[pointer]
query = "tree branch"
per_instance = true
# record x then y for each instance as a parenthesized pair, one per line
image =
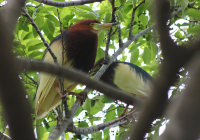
(67, 3)
(132, 19)
(4, 137)
(103, 126)
(174, 58)
(59, 129)
(40, 34)
(184, 114)
(76, 76)
(12, 95)
(110, 31)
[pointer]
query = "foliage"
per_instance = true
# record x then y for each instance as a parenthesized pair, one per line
(144, 52)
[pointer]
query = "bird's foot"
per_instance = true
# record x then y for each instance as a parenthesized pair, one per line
(82, 95)
(63, 94)
(124, 125)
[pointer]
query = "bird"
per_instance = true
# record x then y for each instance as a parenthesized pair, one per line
(80, 43)
(127, 77)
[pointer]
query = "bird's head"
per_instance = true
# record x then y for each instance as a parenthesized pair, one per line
(92, 25)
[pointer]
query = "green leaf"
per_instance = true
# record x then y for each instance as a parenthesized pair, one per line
(143, 19)
(36, 47)
(128, 8)
(84, 7)
(45, 136)
(39, 129)
(71, 101)
(99, 105)
(78, 111)
(178, 35)
(28, 36)
(135, 29)
(68, 17)
(121, 18)
(53, 19)
(87, 105)
(39, 21)
(193, 13)
(100, 53)
(108, 17)
(33, 42)
(134, 46)
(97, 135)
(184, 4)
(35, 54)
(134, 55)
(146, 55)
(195, 29)
(110, 116)
(154, 48)
(87, 15)
(50, 26)
(24, 26)
(35, 34)
(107, 100)
(83, 124)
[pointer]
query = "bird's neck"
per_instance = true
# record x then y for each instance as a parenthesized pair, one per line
(82, 46)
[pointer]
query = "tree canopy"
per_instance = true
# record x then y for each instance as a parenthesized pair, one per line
(161, 37)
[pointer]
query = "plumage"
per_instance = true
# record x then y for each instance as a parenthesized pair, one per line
(80, 47)
(129, 78)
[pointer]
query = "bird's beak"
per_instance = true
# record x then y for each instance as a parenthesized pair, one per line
(107, 25)
(100, 27)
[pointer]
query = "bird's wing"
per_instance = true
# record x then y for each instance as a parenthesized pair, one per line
(128, 80)
(47, 97)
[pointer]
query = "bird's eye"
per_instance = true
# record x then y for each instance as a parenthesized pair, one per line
(91, 24)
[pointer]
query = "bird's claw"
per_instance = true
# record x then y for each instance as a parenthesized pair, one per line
(64, 97)
(124, 125)
(82, 95)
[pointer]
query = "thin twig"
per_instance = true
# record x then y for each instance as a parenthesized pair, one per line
(119, 35)
(132, 19)
(40, 34)
(30, 78)
(25, 21)
(36, 10)
(110, 31)
(45, 122)
(67, 3)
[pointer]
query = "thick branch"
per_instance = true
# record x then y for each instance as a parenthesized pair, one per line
(174, 58)
(67, 3)
(12, 95)
(185, 117)
(76, 76)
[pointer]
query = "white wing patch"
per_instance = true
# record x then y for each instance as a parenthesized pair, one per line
(47, 97)
(134, 84)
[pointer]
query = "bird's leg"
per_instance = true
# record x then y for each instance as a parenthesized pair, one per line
(63, 96)
(122, 114)
(124, 111)
(82, 95)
